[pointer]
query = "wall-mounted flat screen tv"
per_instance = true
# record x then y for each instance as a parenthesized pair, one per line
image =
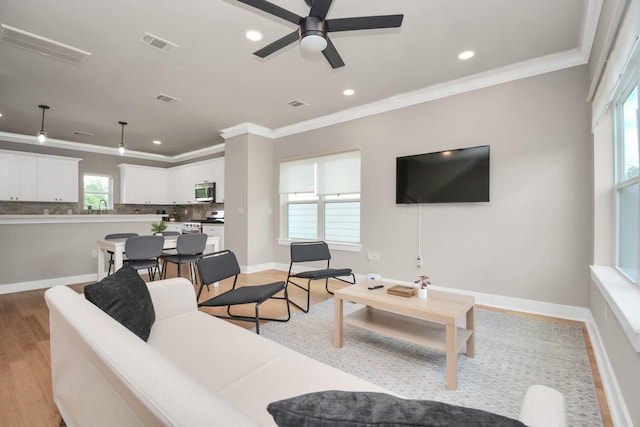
(453, 176)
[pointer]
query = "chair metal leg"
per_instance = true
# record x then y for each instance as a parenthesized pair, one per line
(307, 290)
(257, 317)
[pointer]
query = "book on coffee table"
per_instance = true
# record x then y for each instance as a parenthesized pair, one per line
(403, 291)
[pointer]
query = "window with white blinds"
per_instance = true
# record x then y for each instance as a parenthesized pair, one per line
(321, 197)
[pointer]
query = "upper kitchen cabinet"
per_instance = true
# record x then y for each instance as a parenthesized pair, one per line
(143, 185)
(57, 179)
(218, 166)
(183, 179)
(18, 176)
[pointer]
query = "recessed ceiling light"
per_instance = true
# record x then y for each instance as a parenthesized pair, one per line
(254, 36)
(0, 114)
(466, 54)
(348, 92)
(155, 141)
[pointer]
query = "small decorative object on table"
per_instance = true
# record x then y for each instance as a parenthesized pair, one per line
(403, 291)
(424, 282)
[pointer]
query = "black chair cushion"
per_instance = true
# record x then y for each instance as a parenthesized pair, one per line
(368, 409)
(326, 273)
(245, 295)
(125, 297)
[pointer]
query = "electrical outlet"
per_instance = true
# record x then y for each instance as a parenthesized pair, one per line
(94, 253)
(419, 261)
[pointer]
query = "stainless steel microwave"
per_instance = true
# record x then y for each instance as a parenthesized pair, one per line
(206, 192)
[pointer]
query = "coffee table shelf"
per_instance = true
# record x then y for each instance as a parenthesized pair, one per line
(431, 322)
(417, 331)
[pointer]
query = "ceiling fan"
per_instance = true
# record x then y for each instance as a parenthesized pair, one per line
(312, 30)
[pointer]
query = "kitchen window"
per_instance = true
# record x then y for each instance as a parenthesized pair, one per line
(97, 188)
(321, 198)
(627, 183)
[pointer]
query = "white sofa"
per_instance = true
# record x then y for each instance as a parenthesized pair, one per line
(194, 370)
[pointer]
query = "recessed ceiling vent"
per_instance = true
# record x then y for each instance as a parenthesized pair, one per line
(31, 42)
(82, 133)
(158, 43)
(297, 103)
(168, 99)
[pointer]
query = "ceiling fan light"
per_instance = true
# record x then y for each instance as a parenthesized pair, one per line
(313, 43)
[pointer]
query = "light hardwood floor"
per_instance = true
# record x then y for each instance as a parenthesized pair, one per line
(25, 377)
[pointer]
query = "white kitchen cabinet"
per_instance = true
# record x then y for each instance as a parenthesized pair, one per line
(182, 180)
(215, 230)
(143, 185)
(174, 226)
(181, 188)
(18, 177)
(218, 167)
(57, 179)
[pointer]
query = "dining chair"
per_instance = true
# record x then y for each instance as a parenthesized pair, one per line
(188, 249)
(115, 236)
(143, 252)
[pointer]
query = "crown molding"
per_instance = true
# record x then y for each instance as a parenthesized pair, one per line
(248, 128)
(534, 67)
(90, 148)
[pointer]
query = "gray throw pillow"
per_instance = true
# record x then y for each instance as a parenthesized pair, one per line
(367, 409)
(125, 297)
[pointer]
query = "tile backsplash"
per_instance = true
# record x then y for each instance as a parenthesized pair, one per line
(182, 212)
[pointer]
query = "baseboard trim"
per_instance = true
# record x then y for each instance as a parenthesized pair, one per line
(619, 412)
(10, 288)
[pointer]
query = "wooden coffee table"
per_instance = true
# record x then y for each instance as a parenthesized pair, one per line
(430, 322)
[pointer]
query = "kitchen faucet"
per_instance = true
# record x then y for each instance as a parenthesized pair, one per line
(100, 204)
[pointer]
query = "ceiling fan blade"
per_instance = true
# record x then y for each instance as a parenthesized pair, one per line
(273, 10)
(332, 55)
(278, 44)
(364, 23)
(320, 8)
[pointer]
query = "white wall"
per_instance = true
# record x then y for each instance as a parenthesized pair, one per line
(531, 241)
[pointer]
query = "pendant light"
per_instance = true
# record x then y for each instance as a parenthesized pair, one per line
(42, 135)
(121, 147)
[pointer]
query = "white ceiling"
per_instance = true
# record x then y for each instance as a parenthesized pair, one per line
(222, 84)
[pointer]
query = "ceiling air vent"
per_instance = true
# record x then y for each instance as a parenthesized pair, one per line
(297, 103)
(82, 133)
(168, 99)
(31, 42)
(157, 42)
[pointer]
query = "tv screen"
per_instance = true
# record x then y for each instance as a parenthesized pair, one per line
(452, 176)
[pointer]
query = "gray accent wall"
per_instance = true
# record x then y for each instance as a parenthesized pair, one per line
(531, 241)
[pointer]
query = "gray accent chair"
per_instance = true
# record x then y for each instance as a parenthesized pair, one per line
(309, 252)
(222, 265)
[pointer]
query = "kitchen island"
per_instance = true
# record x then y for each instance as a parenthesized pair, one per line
(41, 251)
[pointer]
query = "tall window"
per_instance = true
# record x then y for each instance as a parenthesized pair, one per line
(97, 188)
(321, 197)
(627, 183)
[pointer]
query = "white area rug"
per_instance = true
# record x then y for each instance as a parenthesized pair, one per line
(512, 352)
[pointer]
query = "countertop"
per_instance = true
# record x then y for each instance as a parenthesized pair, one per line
(76, 219)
